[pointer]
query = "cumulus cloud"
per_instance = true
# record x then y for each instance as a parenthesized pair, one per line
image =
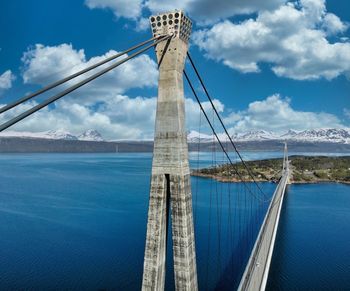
(100, 105)
(202, 11)
(6, 80)
(276, 114)
(333, 25)
(208, 11)
(293, 38)
(128, 9)
(121, 117)
(121, 8)
(45, 64)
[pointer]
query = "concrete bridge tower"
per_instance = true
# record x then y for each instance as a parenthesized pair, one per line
(170, 182)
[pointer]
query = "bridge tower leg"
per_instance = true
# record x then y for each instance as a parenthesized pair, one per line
(170, 181)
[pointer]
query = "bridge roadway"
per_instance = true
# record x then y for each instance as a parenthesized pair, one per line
(257, 270)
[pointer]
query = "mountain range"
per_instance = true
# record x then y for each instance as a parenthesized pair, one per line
(333, 135)
(329, 135)
(88, 135)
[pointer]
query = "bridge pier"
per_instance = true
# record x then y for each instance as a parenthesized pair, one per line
(170, 180)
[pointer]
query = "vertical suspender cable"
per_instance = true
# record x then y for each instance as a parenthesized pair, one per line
(223, 125)
(219, 141)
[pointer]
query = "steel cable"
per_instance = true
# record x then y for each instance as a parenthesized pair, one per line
(76, 86)
(66, 79)
(223, 125)
(219, 141)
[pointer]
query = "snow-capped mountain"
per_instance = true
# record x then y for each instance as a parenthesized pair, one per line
(91, 135)
(195, 136)
(333, 135)
(256, 135)
(289, 134)
(324, 134)
(59, 134)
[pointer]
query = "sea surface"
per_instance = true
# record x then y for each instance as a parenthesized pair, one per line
(78, 222)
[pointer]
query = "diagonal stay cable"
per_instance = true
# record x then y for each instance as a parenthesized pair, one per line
(76, 86)
(219, 141)
(60, 82)
(223, 125)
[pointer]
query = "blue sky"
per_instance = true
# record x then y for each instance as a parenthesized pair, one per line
(270, 64)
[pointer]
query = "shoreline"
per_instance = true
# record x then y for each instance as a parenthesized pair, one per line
(303, 170)
(234, 180)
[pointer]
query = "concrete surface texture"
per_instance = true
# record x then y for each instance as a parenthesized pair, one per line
(170, 181)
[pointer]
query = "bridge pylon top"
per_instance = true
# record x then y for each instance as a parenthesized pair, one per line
(174, 23)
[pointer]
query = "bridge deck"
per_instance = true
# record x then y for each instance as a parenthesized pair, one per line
(257, 270)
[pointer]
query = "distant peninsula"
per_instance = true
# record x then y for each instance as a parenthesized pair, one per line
(304, 169)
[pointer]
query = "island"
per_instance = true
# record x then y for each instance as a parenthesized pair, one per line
(304, 169)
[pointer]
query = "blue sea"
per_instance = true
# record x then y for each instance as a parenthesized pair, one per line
(78, 222)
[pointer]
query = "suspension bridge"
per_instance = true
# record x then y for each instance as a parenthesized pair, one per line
(171, 203)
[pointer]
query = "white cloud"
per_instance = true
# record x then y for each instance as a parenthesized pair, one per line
(193, 113)
(314, 10)
(45, 64)
(121, 8)
(333, 25)
(203, 11)
(142, 24)
(6, 80)
(276, 114)
(128, 9)
(121, 117)
(100, 105)
(347, 112)
(207, 11)
(293, 38)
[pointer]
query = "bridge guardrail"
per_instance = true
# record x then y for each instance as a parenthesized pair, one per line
(263, 246)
